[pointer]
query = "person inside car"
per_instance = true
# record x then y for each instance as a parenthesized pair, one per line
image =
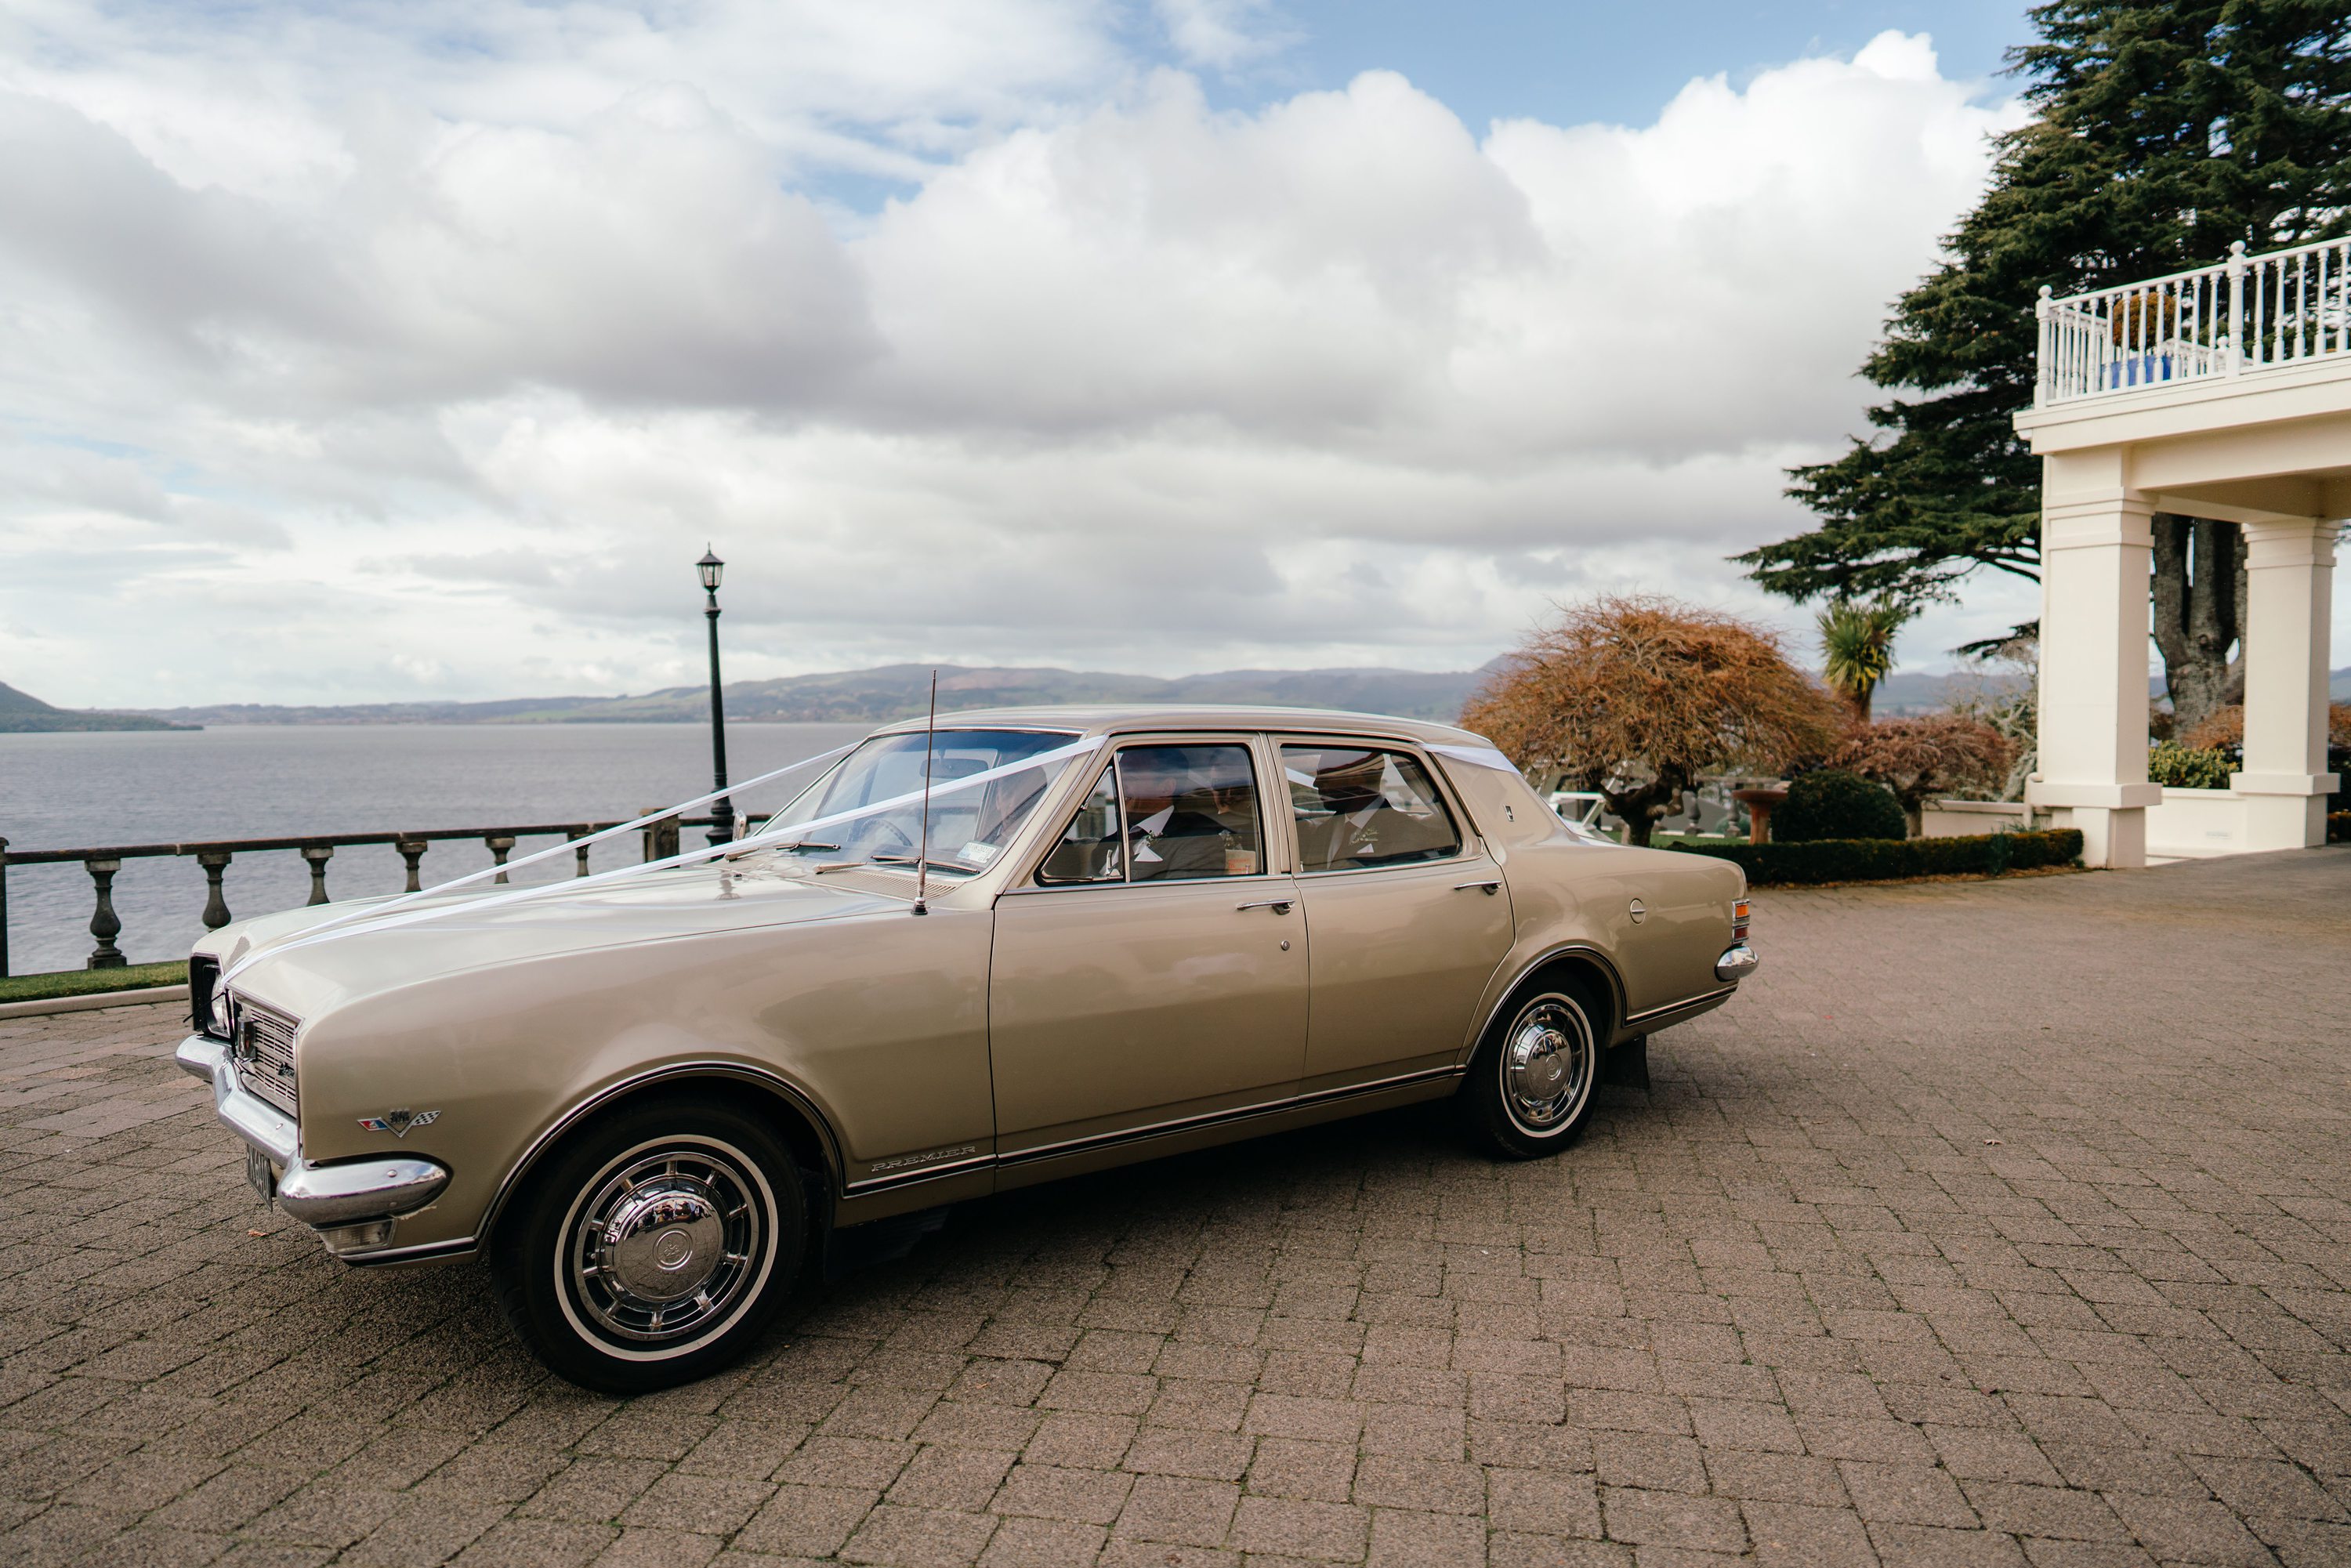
(1171, 830)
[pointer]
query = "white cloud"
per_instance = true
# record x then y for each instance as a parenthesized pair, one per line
(1221, 34)
(466, 353)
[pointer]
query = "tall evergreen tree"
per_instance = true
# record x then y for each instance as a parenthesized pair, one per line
(2164, 129)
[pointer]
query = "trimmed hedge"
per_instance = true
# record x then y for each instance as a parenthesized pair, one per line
(1830, 803)
(2184, 768)
(1880, 860)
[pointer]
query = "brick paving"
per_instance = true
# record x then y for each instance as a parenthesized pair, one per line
(1995, 1223)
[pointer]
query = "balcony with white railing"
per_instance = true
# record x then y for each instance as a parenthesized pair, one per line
(2222, 394)
(2248, 316)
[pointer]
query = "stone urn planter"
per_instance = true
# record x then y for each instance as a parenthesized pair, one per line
(1759, 804)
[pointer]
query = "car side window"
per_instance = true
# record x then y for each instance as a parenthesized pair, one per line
(1191, 811)
(1164, 813)
(1091, 848)
(1361, 807)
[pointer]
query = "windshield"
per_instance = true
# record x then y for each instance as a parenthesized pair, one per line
(969, 828)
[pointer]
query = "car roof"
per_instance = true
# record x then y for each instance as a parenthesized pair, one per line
(1116, 718)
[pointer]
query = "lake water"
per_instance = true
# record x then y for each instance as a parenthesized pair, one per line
(69, 792)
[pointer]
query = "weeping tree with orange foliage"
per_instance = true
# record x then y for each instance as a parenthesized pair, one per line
(1933, 755)
(2227, 727)
(1636, 697)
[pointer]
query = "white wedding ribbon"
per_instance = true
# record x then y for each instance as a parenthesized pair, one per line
(571, 846)
(382, 918)
(1476, 756)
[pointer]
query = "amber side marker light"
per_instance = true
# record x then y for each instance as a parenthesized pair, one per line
(1739, 920)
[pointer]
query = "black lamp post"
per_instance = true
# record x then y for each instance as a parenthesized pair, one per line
(722, 814)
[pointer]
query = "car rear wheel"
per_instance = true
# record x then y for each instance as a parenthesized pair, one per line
(1529, 1089)
(655, 1246)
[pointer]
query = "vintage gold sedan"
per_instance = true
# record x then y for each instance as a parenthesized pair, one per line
(650, 1099)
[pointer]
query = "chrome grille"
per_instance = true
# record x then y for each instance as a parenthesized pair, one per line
(263, 1049)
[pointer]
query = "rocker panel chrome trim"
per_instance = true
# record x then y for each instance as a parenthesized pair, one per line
(424, 1252)
(1687, 1003)
(1212, 1118)
(1019, 1157)
(919, 1173)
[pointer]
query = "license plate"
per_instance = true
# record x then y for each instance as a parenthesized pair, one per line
(260, 1177)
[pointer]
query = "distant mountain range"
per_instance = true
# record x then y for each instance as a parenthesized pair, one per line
(899, 691)
(21, 713)
(1907, 693)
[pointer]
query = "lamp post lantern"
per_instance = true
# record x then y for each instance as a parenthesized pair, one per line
(722, 813)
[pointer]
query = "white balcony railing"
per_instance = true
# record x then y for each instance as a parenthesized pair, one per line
(2248, 314)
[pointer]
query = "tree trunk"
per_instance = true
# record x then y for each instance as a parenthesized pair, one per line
(1641, 809)
(2199, 590)
(1856, 700)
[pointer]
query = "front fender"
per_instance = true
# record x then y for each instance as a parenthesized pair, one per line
(876, 1024)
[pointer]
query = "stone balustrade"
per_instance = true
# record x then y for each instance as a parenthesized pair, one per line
(214, 858)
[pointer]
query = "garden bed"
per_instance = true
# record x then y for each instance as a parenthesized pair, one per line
(1889, 860)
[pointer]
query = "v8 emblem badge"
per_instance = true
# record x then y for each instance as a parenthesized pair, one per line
(397, 1123)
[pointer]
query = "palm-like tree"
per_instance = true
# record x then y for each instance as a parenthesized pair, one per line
(1857, 648)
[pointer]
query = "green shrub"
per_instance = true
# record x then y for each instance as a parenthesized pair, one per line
(1880, 860)
(1830, 803)
(2183, 768)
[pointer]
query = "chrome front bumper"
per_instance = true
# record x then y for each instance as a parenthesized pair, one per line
(330, 1197)
(1738, 961)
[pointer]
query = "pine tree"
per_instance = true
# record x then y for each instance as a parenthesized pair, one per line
(2162, 133)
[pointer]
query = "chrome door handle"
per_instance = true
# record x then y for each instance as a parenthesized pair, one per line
(1492, 886)
(1278, 905)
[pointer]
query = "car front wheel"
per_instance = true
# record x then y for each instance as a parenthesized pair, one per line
(1529, 1089)
(655, 1246)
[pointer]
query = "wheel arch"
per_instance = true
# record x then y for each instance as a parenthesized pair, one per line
(1577, 960)
(796, 1118)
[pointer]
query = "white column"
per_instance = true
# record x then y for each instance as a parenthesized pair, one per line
(2095, 544)
(2289, 600)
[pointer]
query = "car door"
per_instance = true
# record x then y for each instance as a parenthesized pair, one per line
(1153, 967)
(1409, 915)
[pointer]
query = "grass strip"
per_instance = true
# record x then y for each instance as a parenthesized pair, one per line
(86, 982)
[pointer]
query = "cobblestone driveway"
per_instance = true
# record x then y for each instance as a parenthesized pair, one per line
(1995, 1223)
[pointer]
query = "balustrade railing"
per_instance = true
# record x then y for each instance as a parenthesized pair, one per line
(2239, 317)
(213, 857)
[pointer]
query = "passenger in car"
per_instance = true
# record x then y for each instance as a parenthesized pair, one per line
(1363, 809)
(1351, 793)
(1170, 830)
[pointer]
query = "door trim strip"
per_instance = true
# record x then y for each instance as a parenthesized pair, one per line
(1155, 1130)
(1187, 1124)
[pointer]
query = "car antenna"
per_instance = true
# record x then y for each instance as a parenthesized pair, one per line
(922, 852)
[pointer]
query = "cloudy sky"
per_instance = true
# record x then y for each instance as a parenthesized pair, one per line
(415, 347)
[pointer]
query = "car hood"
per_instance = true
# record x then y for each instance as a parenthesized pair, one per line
(472, 930)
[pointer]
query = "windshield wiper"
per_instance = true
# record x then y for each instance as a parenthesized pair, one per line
(935, 865)
(786, 844)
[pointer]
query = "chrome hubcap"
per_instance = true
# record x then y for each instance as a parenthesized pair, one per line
(666, 1244)
(1546, 1065)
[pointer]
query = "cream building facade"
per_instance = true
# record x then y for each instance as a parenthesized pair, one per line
(2222, 394)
